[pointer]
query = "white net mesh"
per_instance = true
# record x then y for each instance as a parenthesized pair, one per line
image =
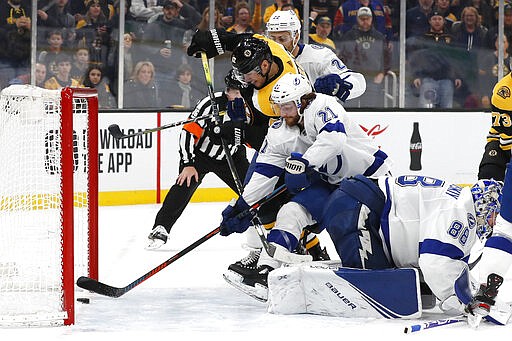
(31, 286)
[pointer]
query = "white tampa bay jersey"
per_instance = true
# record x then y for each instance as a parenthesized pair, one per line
(428, 224)
(333, 144)
(319, 61)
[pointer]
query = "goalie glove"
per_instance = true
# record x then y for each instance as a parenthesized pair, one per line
(299, 174)
(480, 305)
(334, 85)
(207, 41)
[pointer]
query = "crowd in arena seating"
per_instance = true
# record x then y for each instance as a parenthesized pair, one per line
(451, 46)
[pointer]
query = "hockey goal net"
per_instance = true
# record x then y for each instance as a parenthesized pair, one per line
(48, 201)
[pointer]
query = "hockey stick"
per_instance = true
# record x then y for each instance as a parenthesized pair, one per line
(270, 249)
(118, 134)
(432, 324)
(108, 290)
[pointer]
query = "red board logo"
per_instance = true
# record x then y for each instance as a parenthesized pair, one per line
(374, 131)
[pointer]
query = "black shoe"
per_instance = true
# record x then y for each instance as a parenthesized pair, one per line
(318, 253)
(246, 264)
(252, 282)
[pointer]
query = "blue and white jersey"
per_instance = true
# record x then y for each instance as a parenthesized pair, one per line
(429, 224)
(331, 142)
(319, 61)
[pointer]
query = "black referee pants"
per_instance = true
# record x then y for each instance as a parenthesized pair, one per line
(178, 197)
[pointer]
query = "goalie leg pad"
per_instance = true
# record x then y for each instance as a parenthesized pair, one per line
(353, 227)
(345, 292)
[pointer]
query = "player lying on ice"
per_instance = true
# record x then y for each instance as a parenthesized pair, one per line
(395, 225)
(314, 132)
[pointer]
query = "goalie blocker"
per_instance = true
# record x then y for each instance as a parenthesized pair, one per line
(345, 292)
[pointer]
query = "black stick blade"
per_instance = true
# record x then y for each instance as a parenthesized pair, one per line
(98, 287)
(115, 131)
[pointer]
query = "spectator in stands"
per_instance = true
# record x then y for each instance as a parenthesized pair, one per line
(432, 69)
(94, 78)
(18, 46)
(243, 22)
(324, 8)
(163, 41)
(184, 93)
(142, 10)
(365, 49)
(443, 6)
(57, 15)
(40, 74)
(94, 31)
(416, 20)
(62, 78)
(204, 24)
(507, 27)
(11, 10)
(485, 11)
(55, 42)
(227, 10)
(488, 70)
(346, 16)
(141, 91)
(323, 30)
(80, 62)
(470, 37)
(269, 10)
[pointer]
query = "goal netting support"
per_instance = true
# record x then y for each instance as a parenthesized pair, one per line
(48, 201)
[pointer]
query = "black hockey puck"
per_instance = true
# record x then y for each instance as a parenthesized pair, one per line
(83, 300)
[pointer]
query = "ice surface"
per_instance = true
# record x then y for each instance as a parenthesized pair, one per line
(190, 297)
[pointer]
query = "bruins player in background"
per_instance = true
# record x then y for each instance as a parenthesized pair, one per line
(259, 62)
(499, 139)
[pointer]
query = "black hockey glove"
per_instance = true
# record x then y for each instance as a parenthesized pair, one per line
(207, 41)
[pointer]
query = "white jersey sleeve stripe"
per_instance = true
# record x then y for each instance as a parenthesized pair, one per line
(437, 247)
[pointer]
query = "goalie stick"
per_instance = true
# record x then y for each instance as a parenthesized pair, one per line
(432, 324)
(270, 249)
(118, 134)
(108, 290)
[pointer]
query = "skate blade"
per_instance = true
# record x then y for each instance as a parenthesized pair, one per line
(258, 292)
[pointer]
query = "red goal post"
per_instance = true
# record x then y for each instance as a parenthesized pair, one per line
(48, 201)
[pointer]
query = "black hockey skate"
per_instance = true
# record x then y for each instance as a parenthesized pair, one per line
(251, 282)
(318, 253)
(246, 264)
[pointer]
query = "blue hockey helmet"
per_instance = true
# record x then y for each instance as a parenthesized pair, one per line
(487, 200)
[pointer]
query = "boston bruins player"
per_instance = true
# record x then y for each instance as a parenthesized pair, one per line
(499, 139)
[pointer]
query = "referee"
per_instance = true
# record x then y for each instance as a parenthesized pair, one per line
(201, 152)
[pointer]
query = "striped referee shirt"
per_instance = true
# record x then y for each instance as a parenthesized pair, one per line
(195, 137)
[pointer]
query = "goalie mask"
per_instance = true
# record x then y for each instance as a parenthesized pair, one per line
(289, 88)
(285, 21)
(248, 55)
(487, 199)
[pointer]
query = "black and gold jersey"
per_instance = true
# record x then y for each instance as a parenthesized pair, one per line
(258, 100)
(501, 105)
